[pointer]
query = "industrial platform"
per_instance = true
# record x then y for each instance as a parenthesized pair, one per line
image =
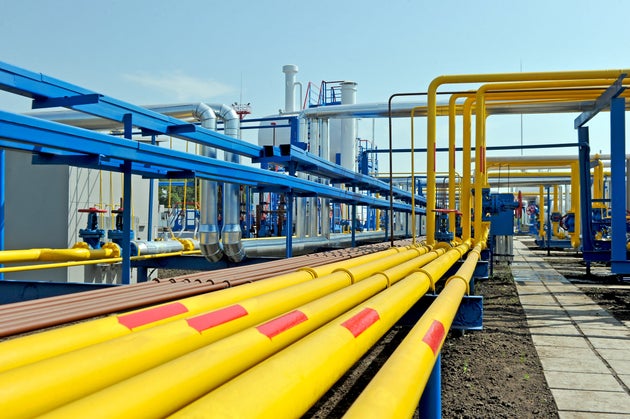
(584, 351)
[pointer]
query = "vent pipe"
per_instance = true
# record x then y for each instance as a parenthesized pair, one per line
(208, 227)
(290, 72)
(231, 232)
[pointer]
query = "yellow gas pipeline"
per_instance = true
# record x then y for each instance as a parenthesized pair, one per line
(35, 347)
(299, 375)
(109, 250)
(170, 386)
(28, 392)
(484, 78)
(396, 389)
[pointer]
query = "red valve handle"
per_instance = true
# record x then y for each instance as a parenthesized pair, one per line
(92, 209)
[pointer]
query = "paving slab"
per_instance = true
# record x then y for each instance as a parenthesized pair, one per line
(581, 381)
(584, 351)
(591, 401)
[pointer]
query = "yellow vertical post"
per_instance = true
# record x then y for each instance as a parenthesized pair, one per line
(452, 113)
(575, 204)
(466, 180)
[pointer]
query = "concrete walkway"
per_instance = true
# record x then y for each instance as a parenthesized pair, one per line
(584, 351)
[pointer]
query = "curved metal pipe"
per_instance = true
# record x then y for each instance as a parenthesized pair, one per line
(231, 233)
(208, 227)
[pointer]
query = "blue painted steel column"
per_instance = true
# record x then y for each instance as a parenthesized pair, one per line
(289, 228)
(585, 189)
(126, 242)
(353, 227)
(2, 196)
(431, 400)
(150, 217)
(618, 184)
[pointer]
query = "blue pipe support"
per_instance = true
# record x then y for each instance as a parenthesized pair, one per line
(2, 197)
(126, 244)
(431, 401)
(107, 149)
(48, 91)
(619, 260)
(585, 189)
(289, 227)
(151, 191)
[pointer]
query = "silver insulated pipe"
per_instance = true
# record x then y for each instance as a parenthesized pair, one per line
(208, 227)
(231, 232)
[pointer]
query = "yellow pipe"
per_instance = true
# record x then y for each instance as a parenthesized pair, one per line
(296, 377)
(28, 392)
(50, 255)
(598, 184)
(396, 389)
(170, 386)
(484, 78)
(466, 175)
(480, 169)
(94, 261)
(575, 204)
(39, 346)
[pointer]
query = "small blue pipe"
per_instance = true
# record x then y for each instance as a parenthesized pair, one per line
(431, 401)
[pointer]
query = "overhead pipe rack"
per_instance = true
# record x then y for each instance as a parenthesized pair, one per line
(55, 143)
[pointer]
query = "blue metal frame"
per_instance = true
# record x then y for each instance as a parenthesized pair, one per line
(285, 155)
(2, 197)
(47, 91)
(111, 153)
(619, 262)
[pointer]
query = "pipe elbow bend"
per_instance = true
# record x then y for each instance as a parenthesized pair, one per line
(209, 242)
(232, 245)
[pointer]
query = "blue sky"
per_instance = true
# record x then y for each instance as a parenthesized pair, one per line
(158, 51)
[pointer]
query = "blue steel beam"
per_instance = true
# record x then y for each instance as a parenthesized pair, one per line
(43, 88)
(309, 163)
(47, 92)
(52, 135)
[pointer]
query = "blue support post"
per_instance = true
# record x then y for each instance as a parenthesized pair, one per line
(126, 242)
(431, 401)
(619, 261)
(289, 227)
(150, 215)
(585, 189)
(354, 227)
(2, 196)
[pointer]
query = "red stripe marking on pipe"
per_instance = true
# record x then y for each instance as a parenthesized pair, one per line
(150, 315)
(285, 322)
(434, 336)
(358, 323)
(216, 318)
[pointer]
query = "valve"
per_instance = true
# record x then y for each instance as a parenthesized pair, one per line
(442, 234)
(117, 235)
(92, 235)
